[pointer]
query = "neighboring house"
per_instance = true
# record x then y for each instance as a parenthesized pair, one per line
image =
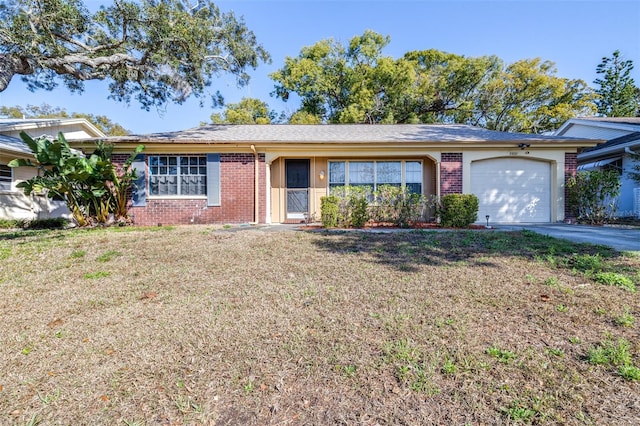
(622, 135)
(13, 203)
(278, 173)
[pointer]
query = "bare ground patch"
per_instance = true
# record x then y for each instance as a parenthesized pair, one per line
(195, 325)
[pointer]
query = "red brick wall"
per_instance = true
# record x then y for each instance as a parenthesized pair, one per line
(451, 173)
(237, 184)
(570, 169)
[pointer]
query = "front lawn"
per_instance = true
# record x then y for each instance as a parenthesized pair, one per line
(202, 325)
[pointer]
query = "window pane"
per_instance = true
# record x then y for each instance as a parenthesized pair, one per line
(153, 185)
(388, 172)
(5, 178)
(414, 188)
(175, 175)
(5, 172)
(361, 172)
(336, 172)
(413, 172)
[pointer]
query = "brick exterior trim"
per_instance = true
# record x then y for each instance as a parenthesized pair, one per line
(451, 173)
(570, 169)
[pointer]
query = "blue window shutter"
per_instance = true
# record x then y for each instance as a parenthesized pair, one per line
(213, 180)
(139, 189)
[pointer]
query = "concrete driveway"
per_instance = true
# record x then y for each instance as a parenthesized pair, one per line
(623, 239)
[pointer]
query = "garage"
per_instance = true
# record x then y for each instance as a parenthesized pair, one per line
(512, 190)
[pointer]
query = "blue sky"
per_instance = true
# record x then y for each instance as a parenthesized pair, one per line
(575, 35)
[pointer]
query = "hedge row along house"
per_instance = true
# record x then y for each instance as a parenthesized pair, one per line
(278, 173)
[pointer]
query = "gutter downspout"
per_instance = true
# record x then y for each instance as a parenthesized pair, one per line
(256, 189)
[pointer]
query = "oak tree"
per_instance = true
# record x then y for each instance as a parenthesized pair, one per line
(152, 51)
(356, 83)
(247, 111)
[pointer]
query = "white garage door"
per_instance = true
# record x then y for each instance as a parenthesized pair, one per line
(512, 190)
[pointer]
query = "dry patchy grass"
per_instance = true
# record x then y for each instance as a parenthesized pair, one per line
(195, 325)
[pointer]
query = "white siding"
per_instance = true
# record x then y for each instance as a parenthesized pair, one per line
(594, 132)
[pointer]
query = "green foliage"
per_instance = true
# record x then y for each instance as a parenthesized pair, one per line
(78, 254)
(615, 279)
(626, 319)
(358, 207)
(630, 372)
(458, 210)
(617, 94)
(610, 353)
(587, 262)
(108, 256)
(154, 51)
(393, 204)
(303, 117)
(11, 223)
(592, 195)
(355, 83)
(329, 211)
(247, 111)
(96, 275)
(518, 412)
(502, 355)
(615, 354)
(526, 96)
(354, 206)
(91, 186)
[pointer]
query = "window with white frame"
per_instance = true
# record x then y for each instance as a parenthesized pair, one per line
(5, 177)
(373, 174)
(173, 175)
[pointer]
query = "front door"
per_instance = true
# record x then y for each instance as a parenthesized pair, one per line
(297, 176)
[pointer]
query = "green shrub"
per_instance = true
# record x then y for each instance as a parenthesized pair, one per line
(592, 195)
(358, 207)
(353, 205)
(329, 211)
(395, 205)
(51, 223)
(458, 210)
(616, 280)
(10, 223)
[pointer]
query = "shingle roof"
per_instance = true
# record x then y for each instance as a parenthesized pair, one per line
(635, 121)
(8, 143)
(635, 136)
(339, 133)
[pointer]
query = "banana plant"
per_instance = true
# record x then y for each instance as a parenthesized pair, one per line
(90, 186)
